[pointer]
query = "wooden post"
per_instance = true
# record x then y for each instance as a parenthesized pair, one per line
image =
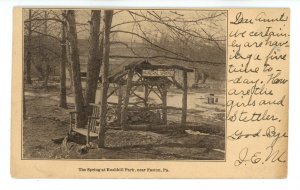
(196, 76)
(184, 100)
(164, 105)
(126, 100)
(146, 94)
(71, 124)
(119, 106)
(88, 133)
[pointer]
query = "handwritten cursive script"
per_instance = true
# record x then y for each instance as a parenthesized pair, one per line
(257, 86)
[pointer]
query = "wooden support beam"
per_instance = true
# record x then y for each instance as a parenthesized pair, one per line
(119, 106)
(184, 100)
(164, 105)
(126, 100)
(151, 108)
(152, 90)
(138, 96)
(146, 95)
(160, 92)
(113, 103)
(112, 92)
(130, 103)
(135, 86)
(118, 77)
(177, 84)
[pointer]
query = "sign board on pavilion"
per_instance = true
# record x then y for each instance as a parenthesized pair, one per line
(159, 73)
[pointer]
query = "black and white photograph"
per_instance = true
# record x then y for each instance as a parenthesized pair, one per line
(124, 84)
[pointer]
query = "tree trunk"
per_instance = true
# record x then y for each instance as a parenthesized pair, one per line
(164, 95)
(184, 101)
(28, 58)
(47, 73)
(126, 100)
(119, 106)
(95, 58)
(75, 65)
(69, 67)
(63, 90)
(46, 55)
(146, 95)
(108, 14)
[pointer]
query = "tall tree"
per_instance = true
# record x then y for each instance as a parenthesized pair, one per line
(75, 64)
(63, 90)
(46, 58)
(108, 14)
(69, 61)
(95, 57)
(28, 57)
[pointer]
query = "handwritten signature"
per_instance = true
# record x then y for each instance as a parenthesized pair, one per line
(270, 154)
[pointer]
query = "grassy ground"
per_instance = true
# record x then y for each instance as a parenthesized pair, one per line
(45, 121)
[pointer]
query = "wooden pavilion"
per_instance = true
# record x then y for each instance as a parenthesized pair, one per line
(153, 78)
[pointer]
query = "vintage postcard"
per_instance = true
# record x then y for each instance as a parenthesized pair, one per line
(150, 93)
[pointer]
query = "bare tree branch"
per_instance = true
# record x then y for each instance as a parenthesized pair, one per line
(147, 40)
(181, 31)
(43, 19)
(51, 36)
(126, 45)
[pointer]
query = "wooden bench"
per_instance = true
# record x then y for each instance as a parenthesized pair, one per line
(91, 130)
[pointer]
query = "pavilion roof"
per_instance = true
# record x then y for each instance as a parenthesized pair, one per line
(139, 65)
